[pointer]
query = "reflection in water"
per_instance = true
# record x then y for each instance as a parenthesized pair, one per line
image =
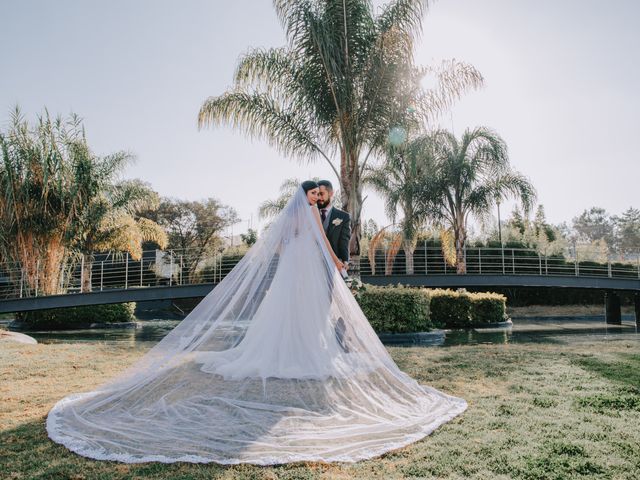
(546, 330)
(147, 331)
(524, 330)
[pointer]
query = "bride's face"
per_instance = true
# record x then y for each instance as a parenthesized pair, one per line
(312, 196)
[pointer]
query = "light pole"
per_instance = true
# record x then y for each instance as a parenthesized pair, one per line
(500, 235)
(499, 224)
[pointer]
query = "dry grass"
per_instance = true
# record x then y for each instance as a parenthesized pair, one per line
(544, 411)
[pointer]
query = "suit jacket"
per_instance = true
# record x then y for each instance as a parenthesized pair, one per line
(338, 230)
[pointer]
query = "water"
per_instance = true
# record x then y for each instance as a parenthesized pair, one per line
(523, 330)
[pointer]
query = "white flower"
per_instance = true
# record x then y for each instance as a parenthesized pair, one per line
(337, 221)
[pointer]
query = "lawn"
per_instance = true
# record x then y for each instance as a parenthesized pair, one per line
(536, 411)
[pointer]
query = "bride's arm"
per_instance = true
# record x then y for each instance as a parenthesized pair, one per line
(336, 260)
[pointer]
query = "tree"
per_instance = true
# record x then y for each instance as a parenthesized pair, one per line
(541, 227)
(345, 79)
(593, 225)
(466, 178)
(369, 229)
(60, 199)
(250, 238)
(400, 181)
(110, 219)
(628, 231)
(517, 221)
(195, 229)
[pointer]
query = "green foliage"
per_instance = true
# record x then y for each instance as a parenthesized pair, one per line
(194, 227)
(250, 237)
(594, 224)
(488, 308)
(60, 200)
(451, 309)
(77, 317)
(396, 309)
(467, 177)
(344, 80)
(628, 230)
(401, 309)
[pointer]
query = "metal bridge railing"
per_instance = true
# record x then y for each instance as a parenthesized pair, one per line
(188, 267)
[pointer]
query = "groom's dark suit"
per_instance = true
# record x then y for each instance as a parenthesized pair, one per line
(337, 226)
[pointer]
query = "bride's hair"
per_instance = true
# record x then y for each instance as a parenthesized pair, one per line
(308, 185)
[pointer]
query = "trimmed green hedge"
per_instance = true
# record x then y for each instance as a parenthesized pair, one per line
(450, 309)
(396, 309)
(404, 310)
(488, 308)
(76, 317)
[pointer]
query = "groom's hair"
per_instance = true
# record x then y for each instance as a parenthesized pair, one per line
(327, 184)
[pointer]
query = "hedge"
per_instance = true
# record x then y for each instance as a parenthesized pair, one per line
(76, 317)
(396, 309)
(401, 309)
(450, 309)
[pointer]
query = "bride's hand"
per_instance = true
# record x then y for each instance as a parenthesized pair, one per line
(339, 264)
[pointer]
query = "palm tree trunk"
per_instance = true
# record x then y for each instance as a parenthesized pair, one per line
(85, 279)
(409, 248)
(352, 201)
(460, 238)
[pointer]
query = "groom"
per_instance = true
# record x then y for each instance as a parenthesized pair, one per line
(337, 226)
(337, 223)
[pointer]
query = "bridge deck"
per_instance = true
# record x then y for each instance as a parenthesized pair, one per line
(434, 281)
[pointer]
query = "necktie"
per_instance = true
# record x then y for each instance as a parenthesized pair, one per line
(323, 214)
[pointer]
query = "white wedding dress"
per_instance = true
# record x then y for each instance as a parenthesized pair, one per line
(277, 364)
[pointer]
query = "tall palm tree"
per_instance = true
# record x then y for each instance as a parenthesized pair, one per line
(467, 177)
(109, 219)
(345, 78)
(399, 179)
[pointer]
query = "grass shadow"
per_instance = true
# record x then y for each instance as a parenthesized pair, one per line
(626, 371)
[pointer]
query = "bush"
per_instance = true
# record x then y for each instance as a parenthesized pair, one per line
(488, 308)
(76, 317)
(396, 309)
(451, 309)
(404, 310)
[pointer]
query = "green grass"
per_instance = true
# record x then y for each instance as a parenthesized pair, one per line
(552, 411)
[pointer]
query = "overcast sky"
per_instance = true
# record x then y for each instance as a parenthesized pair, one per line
(562, 81)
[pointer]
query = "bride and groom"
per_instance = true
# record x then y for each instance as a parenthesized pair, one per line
(262, 371)
(335, 222)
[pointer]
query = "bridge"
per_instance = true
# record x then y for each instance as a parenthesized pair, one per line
(171, 275)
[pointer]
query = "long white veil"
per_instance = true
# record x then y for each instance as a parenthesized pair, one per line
(277, 364)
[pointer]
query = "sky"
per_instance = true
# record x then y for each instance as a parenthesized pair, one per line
(561, 87)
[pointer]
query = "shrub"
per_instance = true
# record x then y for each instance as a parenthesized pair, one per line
(396, 309)
(451, 309)
(488, 308)
(76, 317)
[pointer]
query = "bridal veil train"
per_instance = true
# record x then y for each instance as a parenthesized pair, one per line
(277, 364)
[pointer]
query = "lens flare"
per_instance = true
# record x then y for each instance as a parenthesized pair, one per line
(397, 136)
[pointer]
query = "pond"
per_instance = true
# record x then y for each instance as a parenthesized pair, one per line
(523, 330)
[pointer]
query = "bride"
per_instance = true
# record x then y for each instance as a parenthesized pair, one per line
(259, 371)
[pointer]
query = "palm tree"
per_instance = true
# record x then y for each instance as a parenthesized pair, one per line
(345, 78)
(110, 219)
(467, 177)
(399, 179)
